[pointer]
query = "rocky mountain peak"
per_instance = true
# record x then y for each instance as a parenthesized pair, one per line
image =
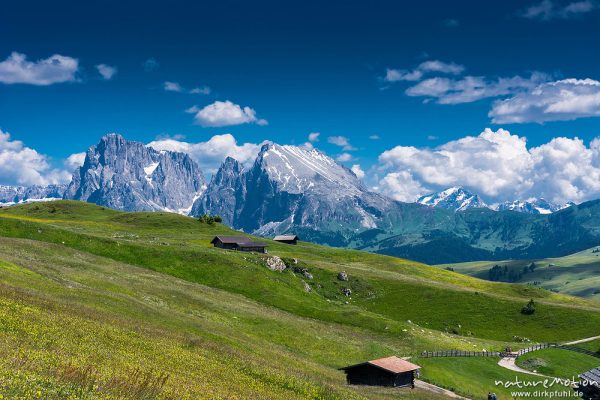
(296, 169)
(290, 188)
(128, 175)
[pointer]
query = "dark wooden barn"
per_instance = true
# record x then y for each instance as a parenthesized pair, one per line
(240, 243)
(388, 371)
(589, 384)
(288, 239)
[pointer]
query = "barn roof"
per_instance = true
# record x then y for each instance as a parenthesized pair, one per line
(286, 237)
(392, 364)
(239, 240)
(233, 239)
(592, 376)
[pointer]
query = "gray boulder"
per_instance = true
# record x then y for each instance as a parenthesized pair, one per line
(275, 263)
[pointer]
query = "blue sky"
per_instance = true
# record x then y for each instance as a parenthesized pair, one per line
(303, 67)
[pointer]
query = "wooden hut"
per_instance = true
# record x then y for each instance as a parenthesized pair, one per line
(288, 239)
(388, 371)
(589, 384)
(240, 243)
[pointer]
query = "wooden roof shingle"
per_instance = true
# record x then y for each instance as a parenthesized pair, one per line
(392, 364)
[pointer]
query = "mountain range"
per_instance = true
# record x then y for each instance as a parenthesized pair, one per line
(460, 199)
(295, 189)
(10, 195)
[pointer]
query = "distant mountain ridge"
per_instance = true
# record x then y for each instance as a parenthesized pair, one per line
(460, 199)
(10, 195)
(454, 198)
(296, 189)
(532, 206)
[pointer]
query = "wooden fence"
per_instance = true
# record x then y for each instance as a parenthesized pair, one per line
(580, 350)
(541, 346)
(460, 353)
(536, 347)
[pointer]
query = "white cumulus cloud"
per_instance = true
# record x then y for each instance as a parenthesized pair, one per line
(562, 100)
(472, 88)
(55, 69)
(395, 75)
(74, 161)
(106, 71)
(344, 157)
(21, 165)
(226, 113)
(211, 153)
(342, 142)
(358, 171)
(172, 86)
(313, 137)
(498, 165)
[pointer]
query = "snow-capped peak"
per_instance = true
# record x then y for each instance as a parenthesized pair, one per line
(454, 198)
(298, 169)
(532, 206)
(459, 199)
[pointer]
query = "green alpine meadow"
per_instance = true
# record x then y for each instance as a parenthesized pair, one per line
(300, 200)
(101, 304)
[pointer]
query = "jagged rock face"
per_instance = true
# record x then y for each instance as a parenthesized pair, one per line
(22, 194)
(454, 198)
(129, 176)
(223, 193)
(289, 188)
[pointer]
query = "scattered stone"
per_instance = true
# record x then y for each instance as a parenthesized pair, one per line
(295, 260)
(346, 292)
(275, 263)
(343, 276)
(304, 272)
(307, 288)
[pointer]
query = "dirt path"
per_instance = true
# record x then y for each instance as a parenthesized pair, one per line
(436, 389)
(509, 363)
(582, 340)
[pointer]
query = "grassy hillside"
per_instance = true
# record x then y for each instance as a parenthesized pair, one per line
(576, 274)
(96, 303)
(593, 345)
(557, 362)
